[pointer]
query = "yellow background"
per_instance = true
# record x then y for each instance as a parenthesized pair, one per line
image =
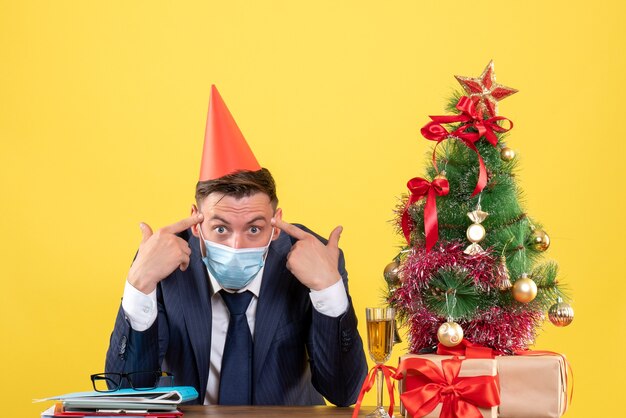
(102, 112)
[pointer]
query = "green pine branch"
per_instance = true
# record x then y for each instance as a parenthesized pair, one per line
(451, 293)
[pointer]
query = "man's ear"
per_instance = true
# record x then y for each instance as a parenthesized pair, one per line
(196, 233)
(194, 228)
(277, 215)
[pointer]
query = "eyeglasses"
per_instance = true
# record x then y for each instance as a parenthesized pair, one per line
(110, 382)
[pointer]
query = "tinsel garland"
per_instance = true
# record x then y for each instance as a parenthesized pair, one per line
(420, 265)
(503, 329)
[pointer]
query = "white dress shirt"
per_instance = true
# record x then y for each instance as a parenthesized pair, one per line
(141, 310)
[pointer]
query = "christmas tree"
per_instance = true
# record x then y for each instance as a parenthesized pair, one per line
(472, 266)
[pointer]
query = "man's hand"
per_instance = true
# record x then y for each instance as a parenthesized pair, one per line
(312, 262)
(160, 254)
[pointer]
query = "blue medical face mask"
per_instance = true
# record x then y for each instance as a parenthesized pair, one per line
(234, 268)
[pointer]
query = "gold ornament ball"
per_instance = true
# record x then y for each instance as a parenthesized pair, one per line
(475, 233)
(450, 334)
(507, 154)
(539, 240)
(561, 314)
(391, 272)
(525, 289)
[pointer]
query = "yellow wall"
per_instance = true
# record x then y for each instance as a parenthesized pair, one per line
(102, 111)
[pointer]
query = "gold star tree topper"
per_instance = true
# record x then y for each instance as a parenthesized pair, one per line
(484, 91)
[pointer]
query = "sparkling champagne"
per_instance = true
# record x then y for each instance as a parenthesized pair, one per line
(380, 339)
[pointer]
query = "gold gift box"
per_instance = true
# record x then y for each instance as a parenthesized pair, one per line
(532, 386)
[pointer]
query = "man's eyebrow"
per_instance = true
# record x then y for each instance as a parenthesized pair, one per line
(219, 218)
(255, 219)
(251, 221)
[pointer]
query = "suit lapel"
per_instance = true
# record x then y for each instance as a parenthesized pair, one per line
(196, 303)
(267, 312)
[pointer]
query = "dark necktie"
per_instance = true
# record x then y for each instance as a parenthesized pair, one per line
(236, 373)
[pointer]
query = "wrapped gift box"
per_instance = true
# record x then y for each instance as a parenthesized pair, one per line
(532, 386)
(469, 368)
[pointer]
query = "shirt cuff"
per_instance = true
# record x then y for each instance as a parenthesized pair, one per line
(332, 301)
(140, 309)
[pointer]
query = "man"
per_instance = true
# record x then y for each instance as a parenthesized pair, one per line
(294, 338)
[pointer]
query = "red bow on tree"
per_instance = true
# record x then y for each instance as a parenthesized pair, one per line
(473, 127)
(419, 188)
(459, 396)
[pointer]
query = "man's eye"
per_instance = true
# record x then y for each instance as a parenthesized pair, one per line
(255, 229)
(220, 229)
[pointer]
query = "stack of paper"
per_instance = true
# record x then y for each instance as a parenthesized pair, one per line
(161, 402)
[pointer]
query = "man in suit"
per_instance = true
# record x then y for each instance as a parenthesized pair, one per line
(299, 332)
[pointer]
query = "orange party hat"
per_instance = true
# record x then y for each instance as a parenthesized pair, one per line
(225, 149)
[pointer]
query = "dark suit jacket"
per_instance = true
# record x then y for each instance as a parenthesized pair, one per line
(300, 355)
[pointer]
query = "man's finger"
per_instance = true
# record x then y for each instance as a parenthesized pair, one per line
(185, 263)
(290, 229)
(146, 231)
(333, 239)
(183, 224)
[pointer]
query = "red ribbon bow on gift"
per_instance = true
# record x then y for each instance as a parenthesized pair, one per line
(469, 118)
(388, 372)
(466, 348)
(459, 396)
(419, 188)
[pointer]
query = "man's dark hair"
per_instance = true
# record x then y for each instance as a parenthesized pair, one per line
(240, 184)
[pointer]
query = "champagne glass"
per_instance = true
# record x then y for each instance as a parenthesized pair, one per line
(379, 343)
